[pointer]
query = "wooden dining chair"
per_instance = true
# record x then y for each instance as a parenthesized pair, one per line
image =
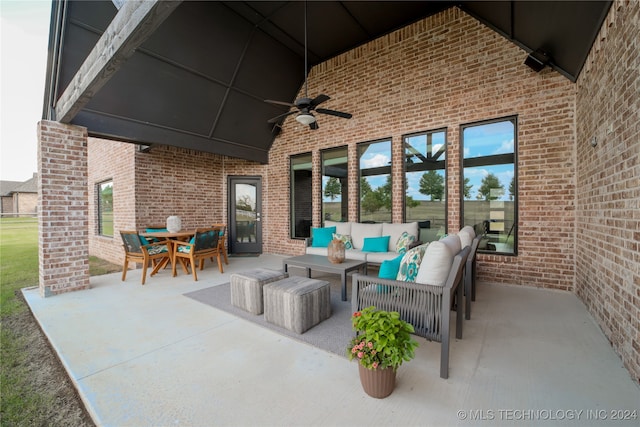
(203, 245)
(222, 242)
(138, 250)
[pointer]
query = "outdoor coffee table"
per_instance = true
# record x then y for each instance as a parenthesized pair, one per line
(321, 263)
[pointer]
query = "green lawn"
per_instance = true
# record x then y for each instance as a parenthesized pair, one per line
(20, 398)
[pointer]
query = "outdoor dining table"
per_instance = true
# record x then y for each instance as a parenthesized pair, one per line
(170, 237)
(175, 235)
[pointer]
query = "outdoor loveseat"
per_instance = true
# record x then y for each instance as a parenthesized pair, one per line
(425, 302)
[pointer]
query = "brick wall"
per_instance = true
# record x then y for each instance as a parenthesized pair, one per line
(63, 241)
(150, 186)
(115, 161)
(182, 182)
(445, 71)
(608, 182)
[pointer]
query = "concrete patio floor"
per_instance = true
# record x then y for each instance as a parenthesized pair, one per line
(148, 356)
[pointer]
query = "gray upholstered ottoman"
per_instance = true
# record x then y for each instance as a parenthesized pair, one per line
(246, 288)
(297, 303)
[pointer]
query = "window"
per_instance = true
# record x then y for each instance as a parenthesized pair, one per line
(425, 182)
(374, 168)
(335, 189)
(301, 173)
(105, 208)
(489, 187)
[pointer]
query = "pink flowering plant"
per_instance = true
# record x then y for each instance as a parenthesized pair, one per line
(383, 339)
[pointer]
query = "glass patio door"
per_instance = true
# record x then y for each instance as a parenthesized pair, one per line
(245, 209)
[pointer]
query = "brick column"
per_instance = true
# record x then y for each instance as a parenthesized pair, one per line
(63, 208)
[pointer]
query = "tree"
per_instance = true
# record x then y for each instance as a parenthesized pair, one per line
(244, 203)
(365, 187)
(385, 192)
(333, 188)
(512, 188)
(467, 188)
(491, 189)
(107, 198)
(432, 184)
(410, 202)
(370, 200)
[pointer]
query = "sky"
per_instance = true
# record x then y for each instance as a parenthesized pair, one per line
(24, 36)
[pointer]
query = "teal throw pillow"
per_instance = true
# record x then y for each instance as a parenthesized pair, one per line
(322, 236)
(388, 270)
(144, 241)
(376, 244)
(156, 230)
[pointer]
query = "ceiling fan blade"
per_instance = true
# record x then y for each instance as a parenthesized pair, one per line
(334, 113)
(277, 118)
(314, 125)
(319, 100)
(271, 101)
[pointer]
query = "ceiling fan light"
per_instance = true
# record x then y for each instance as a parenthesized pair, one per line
(305, 118)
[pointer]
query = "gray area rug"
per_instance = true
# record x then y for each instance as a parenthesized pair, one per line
(332, 335)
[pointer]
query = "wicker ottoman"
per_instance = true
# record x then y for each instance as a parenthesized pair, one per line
(246, 288)
(297, 303)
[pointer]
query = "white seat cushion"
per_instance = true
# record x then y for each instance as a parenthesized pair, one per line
(396, 230)
(341, 227)
(359, 231)
(436, 264)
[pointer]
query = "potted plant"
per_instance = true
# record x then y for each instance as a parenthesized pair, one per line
(382, 342)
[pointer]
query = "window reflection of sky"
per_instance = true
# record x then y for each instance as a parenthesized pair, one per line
(488, 140)
(377, 154)
(484, 140)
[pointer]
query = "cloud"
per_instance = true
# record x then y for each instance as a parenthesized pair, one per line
(505, 147)
(375, 161)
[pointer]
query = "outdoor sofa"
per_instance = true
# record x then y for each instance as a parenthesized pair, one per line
(360, 238)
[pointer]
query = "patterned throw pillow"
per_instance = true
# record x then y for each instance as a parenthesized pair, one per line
(404, 241)
(411, 263)
(344, 238)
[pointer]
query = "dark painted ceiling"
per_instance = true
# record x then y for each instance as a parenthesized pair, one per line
(201, 79)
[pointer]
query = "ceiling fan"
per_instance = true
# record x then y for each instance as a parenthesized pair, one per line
(304, 106)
